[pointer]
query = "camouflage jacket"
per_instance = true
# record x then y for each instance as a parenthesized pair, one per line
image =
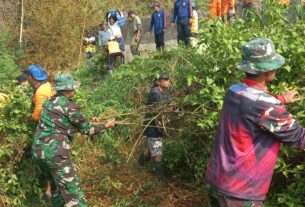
(61, 116)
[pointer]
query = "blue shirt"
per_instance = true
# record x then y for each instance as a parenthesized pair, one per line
(158, 22)
(182, 11)
(103, 37)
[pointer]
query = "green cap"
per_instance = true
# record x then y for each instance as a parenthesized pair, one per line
(259, 56)
(65, 81)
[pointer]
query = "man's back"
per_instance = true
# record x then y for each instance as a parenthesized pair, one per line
(252, 125)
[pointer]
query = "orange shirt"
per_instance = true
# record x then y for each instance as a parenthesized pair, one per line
(43, 93)
(226, 5)
(214, 8)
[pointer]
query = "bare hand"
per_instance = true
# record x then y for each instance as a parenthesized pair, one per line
(95, 121)
(110, 124)
(164, 30)
(291, 96)
(190, 21)
(149, 34)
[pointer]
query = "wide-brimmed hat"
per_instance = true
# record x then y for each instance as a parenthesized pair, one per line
(259, 56)
(65, 82)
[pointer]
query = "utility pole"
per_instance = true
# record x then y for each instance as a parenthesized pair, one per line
(21, 23)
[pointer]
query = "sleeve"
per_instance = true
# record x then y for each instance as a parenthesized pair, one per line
(153, 98)
(81, 122)
(279, 122)
(38, 102)
(190, 10)
(151, 23)
(99, 38)
(175, 14)
(164, 20)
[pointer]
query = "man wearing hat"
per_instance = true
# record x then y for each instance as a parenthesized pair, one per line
(37, 78)
(183, 16)
(137, 31)
(252, 126)
(158, 96)
(60, 120)
(158, 22)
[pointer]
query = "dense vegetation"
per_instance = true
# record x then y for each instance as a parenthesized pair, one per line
(199, 77)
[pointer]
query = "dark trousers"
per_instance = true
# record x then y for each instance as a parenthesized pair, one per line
(184, 32)
(159, 40)
(112, 58)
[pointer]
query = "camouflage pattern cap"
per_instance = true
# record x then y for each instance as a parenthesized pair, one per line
(259, 56)
(65, 81)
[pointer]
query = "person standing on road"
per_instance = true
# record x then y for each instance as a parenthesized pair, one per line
(61, 119)
(116, 32)
(252, 126)
(137, 32)
(183, 16)
(158, 23)
(103, 35)
(158, 96)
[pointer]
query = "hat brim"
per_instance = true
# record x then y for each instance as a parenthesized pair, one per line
(274, 63)
(76, 84)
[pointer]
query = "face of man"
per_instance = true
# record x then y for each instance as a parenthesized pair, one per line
(111, 21)
(164, 83)
(156, 8)
(270, 75)
(31, 81)
(103, 26)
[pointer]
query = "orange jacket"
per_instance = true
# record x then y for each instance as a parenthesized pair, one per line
(43, 93)
(226, 5)
(214, 8)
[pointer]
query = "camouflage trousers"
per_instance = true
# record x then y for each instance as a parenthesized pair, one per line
(220, 200)
(53, 156)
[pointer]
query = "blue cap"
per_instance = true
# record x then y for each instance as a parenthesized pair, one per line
(37, 72)
(193, 4)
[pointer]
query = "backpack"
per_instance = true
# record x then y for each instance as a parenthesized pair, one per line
(118, 16)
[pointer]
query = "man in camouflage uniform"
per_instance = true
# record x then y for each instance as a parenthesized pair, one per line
(60, 120)
(252, 126)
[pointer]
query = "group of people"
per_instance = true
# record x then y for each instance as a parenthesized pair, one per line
(58, 119)
(111, 40)
(252, 125)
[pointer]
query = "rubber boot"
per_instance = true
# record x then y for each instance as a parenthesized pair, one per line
(160, 169)
(143, 159)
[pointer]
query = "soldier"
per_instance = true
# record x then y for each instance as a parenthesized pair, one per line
(159, 94)
(252, 126)
(60, 120)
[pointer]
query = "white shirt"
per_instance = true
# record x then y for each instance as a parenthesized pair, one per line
(115, 29)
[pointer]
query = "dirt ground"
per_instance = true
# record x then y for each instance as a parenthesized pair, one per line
(116, 183)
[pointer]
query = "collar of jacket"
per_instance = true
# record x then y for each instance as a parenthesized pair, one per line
(255, 84)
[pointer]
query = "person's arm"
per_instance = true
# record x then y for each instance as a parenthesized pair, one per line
(100, 38)
(175, 14)
(38, 101)
(190, 11)
(80, 122)
(164, 21)
(151, 23)
(277, 121)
